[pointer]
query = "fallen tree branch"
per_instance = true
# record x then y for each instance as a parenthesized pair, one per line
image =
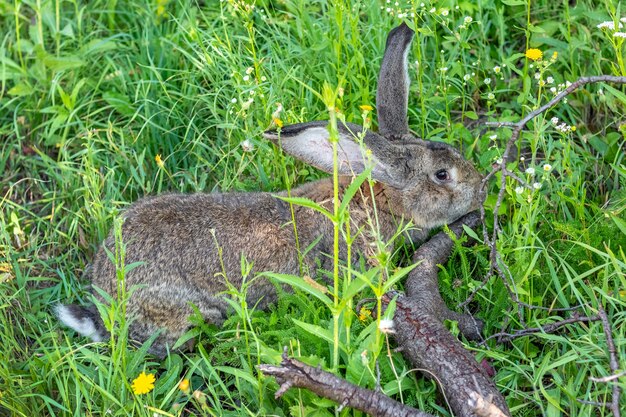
(422, 284)
(427, 344)
(293, 373)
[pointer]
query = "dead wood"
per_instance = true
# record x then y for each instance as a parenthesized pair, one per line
(293, 373)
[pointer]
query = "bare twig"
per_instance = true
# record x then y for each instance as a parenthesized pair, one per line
(496, 263)
(613, 360)
(549, 328)
(608, 378)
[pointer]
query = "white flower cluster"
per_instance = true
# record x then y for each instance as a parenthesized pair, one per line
(562, 127)
(610, 25)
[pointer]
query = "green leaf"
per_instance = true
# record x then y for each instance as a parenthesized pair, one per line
(319, 331)
(97, 46)
(302, 285)
(353, 188)
(621, 224)
(471, 233)
(63, 63)
(20, 89)
(306, 202)
(119, 102)
(471, 115)
(398, 275)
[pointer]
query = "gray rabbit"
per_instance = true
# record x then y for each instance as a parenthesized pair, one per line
(189, 245)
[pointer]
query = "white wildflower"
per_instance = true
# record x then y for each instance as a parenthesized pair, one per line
(279, 109)
(246, 77)
(468, 20)
(549, 80)
(547, 167)
(466, 77)
(537, 75)
(444, 12)
(536, 185)
(619, 35)
(553, 90)
(497, 69)
(519, 190)
(247, 146)
(554, 120)
(249, 70)
(233, 100)
(491, 96)
(386, 326)
(493, 137)
(247, 103)
(530, 171)
(609, 24)
(487, 80)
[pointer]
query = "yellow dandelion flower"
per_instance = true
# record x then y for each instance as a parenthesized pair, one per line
(534, 54)
(159, 161)
(366, 107)
(364, 313)
(184, 385)
(143, 384)
(278, 122)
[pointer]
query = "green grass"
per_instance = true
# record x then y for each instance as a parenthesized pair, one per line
(91, 92)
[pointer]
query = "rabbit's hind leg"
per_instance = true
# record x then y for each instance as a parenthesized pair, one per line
(168, 313)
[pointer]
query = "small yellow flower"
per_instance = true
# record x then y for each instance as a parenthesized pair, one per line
(278, 122)
(555, 55)
(534, 54)
(366, 107)
(184, 385)
(573, 128)
(144, 383)
(159, 161)
(364, 313)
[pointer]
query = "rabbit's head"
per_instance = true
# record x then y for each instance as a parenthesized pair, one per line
(432, 181)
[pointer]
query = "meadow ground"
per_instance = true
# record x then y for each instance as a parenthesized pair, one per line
(105, 101)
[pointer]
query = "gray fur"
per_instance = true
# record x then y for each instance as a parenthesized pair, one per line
(189, 246)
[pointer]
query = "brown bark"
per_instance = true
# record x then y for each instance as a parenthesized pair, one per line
(293, 373)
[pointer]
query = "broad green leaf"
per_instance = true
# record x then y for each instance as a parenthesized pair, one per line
(306, 202)
(319, 331)
(63, 63)
(302, 285)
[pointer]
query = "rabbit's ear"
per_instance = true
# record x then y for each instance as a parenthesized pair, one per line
(392, 94)
(309, 143)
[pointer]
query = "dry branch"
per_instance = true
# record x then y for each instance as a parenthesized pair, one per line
(422, 285)
(613, 361)
(293, 373)
(548, 328)
(497, 265)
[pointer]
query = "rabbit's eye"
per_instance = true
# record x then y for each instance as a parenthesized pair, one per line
(442, 175)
